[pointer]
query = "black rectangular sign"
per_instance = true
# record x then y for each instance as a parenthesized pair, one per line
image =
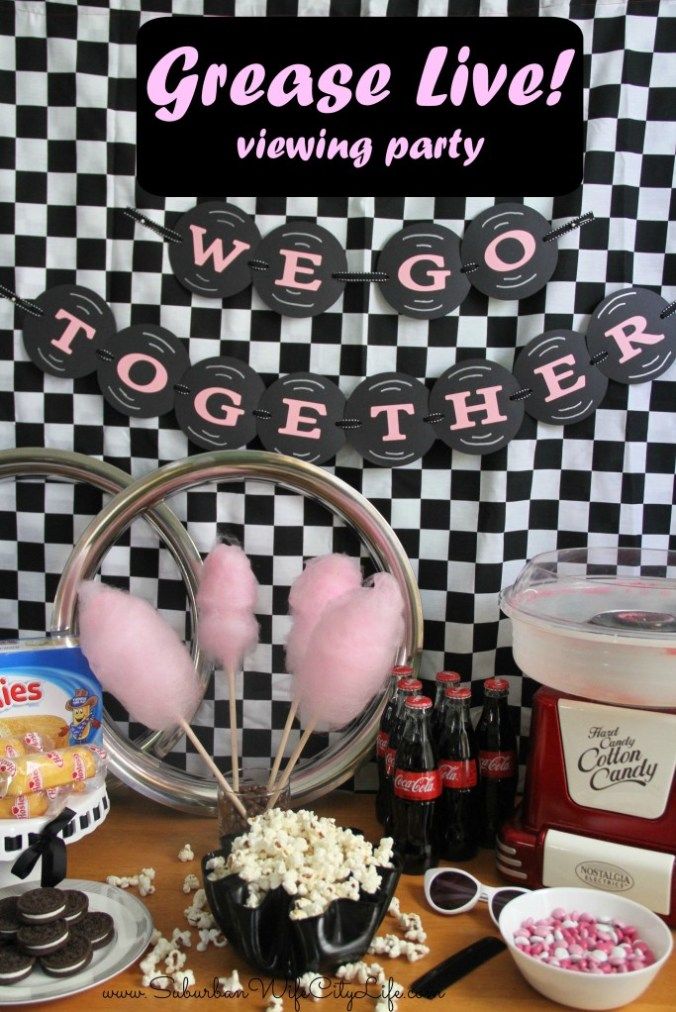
(380, 106)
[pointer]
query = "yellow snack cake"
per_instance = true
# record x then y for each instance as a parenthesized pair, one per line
(42, 770)
(11, 748)
(24, 806)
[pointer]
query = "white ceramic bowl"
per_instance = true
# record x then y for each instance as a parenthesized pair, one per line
(586, 990)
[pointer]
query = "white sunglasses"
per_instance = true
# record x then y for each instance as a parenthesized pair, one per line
(455, 891)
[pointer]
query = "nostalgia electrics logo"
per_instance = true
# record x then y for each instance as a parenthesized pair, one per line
(601, 875)
(383, 106)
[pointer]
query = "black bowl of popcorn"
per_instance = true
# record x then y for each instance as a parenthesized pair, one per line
(297, 893)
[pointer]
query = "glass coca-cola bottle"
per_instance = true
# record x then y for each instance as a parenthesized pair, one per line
(417, 786)
(400, 672)
(444, 680)
(457, 811)
(498, 768)
(406, 687)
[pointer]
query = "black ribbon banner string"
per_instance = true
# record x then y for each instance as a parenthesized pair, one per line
(49, 846)
(475, 407)
(299, 269)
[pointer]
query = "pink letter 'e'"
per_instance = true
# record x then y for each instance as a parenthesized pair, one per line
(295, 417)
(489, 405)
(64, 342)
(392, 412)
(635, 326)
(553, 378)
(157, 383)
(231, 415)
(438, 282)
(292, 269)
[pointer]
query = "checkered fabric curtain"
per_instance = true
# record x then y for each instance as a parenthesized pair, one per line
(67, 159)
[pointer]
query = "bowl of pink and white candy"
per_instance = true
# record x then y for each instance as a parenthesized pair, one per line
(585, 948)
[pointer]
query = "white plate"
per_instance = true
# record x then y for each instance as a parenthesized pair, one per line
(133, 928)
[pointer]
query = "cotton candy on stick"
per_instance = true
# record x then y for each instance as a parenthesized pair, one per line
(348, 657)
(139, 658)
(227, 627)
(322, 581)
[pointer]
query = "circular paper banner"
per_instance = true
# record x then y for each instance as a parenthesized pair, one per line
(506, 241)
(474, 399)
(565, 387)
(423, 264)
(137, 372)
(391, 408)
(217, 242)
(215, 401)
(75, 323)
(297, 415)
(638, 343)
(302, 258)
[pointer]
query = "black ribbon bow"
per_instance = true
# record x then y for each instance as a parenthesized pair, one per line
(49, 846)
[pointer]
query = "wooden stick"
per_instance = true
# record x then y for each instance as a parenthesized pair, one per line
(213, 767)
(293, 710)
(234, 760)
(293, 759)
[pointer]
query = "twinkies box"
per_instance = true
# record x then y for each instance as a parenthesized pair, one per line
(49, 698)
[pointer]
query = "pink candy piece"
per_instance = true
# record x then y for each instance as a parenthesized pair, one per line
(585, 944)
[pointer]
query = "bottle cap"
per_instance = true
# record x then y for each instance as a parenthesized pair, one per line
(402, 671)
(409, 684)
(458, 693)
(419, 703)
(448, 677)
(496, 686)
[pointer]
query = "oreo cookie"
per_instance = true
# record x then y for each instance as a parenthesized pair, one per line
(98, 928)
(43, 939)
(77, 905)
(14, 964)
(39, 906)
(75, 955)
(9, 918)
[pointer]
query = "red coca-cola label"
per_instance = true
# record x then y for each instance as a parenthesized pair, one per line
(390, 755)
(417, 786)
(381, 743)
(497, 765)
(457, 773)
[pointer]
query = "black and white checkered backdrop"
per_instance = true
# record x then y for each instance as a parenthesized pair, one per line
(67, 157)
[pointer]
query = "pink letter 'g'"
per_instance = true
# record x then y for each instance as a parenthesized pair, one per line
(64, 342)
(157, 383)
(230, 414)
(295, 418)
(553, 376)
(438, 277)
(392, 412)
(292, 269)
(630, 330)
(496, 263)
(489, 404)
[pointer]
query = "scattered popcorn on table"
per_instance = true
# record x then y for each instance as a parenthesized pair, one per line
(197, 914)
(394, 909)
(275, 1004)
(184, 937)
(211, 935)
(190, 882)
(411, 925)
(167, 951)
(185, 853)
(308, 856)
(305, 983)
(123, 881)
(361, 972)
(390, 992)
(394, 947)
(145, 881)
(230, 986)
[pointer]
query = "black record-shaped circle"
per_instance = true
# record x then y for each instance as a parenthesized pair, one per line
(638, 344)
(473, 398)
(302, 258)
(565, 387)
(423, 266)
(297, 415)
(214, 403)
(391, 408)
(217, 242)
(137, 372)
(74, 324)
(506, 241)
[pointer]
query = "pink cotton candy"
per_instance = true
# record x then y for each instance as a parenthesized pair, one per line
(350, 653)
(137, 656)
(322, 581)
(226, 598)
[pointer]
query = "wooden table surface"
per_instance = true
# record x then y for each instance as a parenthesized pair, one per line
(139, 834)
